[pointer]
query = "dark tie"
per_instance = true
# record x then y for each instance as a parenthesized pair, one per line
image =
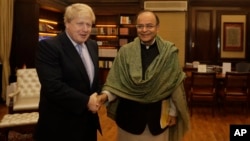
(86, 59)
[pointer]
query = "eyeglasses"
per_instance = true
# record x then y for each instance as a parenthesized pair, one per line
(147, 26)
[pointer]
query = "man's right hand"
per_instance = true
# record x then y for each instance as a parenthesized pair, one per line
(93, 103)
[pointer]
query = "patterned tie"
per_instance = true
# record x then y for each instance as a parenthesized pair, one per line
(86, 59)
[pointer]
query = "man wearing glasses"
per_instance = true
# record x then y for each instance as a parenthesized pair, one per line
(144, 87)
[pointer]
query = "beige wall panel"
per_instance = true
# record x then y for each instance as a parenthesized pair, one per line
(172, 28)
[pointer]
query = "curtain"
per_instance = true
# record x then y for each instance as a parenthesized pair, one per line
(6, 25)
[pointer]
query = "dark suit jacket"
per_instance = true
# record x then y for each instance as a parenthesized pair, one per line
(133, 117)
(65, 91)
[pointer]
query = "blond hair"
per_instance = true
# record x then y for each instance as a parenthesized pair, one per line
(76, 10)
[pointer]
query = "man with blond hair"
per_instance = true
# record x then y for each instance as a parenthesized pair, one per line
(67, 67)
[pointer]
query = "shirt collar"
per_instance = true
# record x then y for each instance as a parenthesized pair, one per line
(148, 46)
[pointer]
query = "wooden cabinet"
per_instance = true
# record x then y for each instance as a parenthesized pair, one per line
(48, 28)
(50, 23)
(111, 32)
(127, 29)
(26, 26)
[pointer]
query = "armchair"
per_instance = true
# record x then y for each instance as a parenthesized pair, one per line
(242, 67)
(27, 93)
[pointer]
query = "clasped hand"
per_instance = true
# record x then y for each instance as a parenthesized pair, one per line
(171, 120)
(96, 101)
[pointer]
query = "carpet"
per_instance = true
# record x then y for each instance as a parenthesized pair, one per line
(15, 136)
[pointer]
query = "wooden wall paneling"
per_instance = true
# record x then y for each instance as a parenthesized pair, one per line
(217, 8)
(53, 5)
(203, 46)
(100, 1)
(220, 3)
(248, 38)
(202, 37)
(25, 34)
(47, 14)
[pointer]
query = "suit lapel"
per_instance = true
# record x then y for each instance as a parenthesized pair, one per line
(73, 55)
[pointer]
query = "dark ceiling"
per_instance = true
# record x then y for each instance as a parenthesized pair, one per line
(59, 5)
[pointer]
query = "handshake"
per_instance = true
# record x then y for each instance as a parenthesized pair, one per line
(96, 101)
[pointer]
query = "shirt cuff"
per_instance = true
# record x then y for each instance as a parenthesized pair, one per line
(172, 110)
(111, 97)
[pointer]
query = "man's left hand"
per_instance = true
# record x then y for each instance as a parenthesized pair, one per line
(171, 120)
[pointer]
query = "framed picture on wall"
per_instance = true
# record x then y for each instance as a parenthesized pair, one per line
(233, 36)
